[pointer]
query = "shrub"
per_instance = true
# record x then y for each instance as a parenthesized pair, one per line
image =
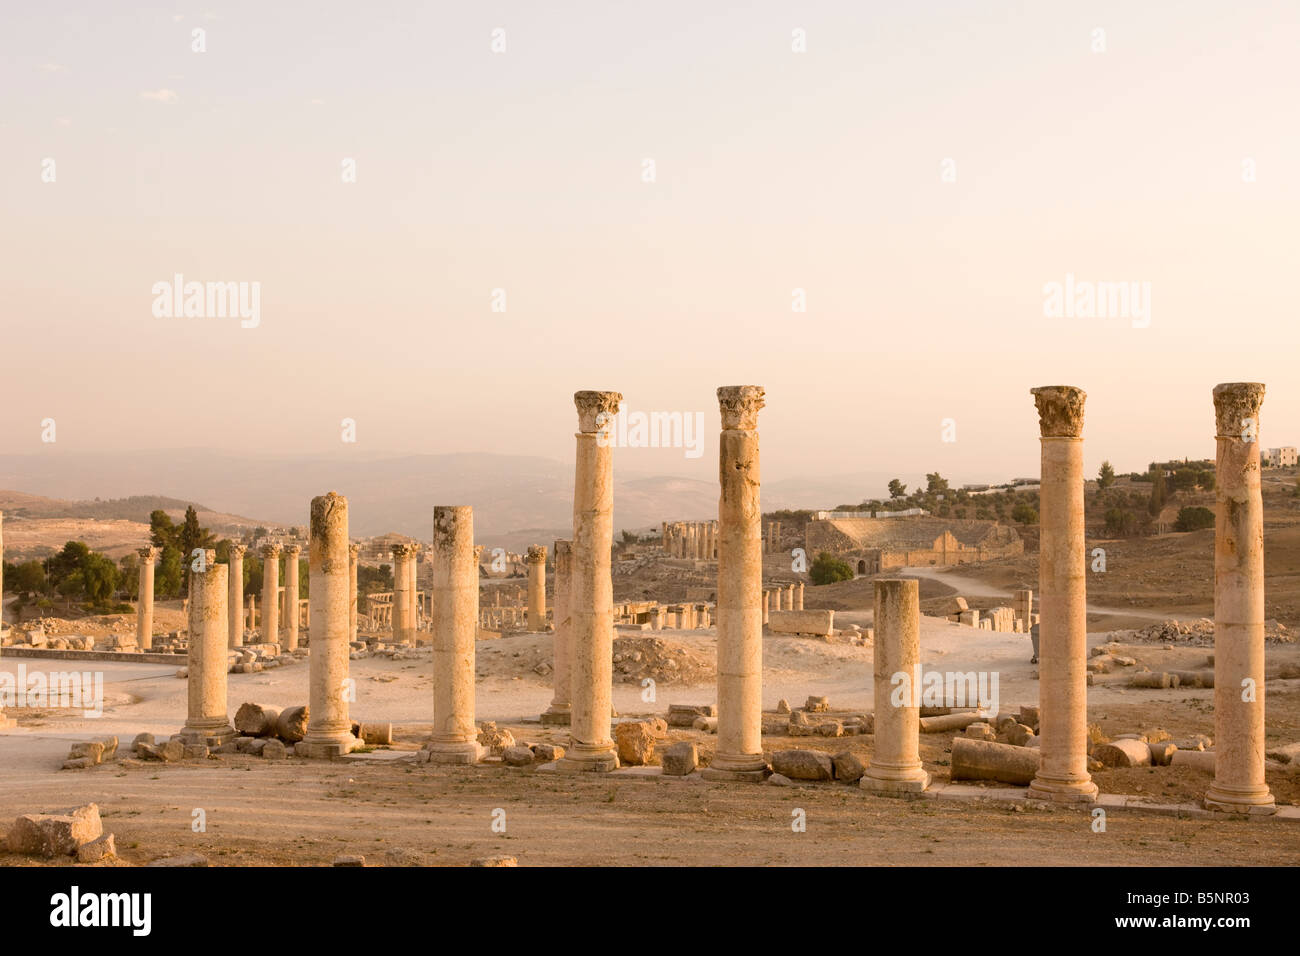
(827, 570)
(1194, 519)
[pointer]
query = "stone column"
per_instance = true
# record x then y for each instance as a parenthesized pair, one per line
(144, 606)
(1024, 605)
(536, 587)
(353, 551)
(270, 593)
(252, 611)
(208, 722)
(455, 584)
(329, 729)
(592, 588)
(235, 601)
(291, 553)
(896, 758)
(562, 641)
(739, 754)
(1239, 784)
(401, 594)
(1063, 649)
(5, 722)
(413, 592)
(798, 597)
(767, 604)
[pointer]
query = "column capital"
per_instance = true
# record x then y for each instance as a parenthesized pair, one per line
(238, 550)
(149, 553)
(353, 549)
(563, 547)
(536, 554)
(401, 550)
(1234, 402)
(271, 550)
(1060, 410)
(293, 550)
(590, 404)
(739, 405)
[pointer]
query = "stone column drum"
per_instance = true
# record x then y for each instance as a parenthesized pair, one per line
(329, 729)
(455, 606)
(1239, 785)
(562, 657)
(235, 602)
(401, 594)
(353, 551)
(896, 759)
(1063, 650)
(536, 587)
(209, 719)
(291, 553)
(270, 593)
(592, 588)
(739, 754)
(144, 606)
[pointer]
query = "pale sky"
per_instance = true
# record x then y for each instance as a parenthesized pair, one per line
(523, 171)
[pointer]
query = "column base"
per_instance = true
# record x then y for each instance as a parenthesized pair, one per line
(555, 717)
(326, 746)
(1251, 801)
(210, 737)
(580, 760)
(463, 754)
(916, 781)
(737, 768)
(1055, 791)
(735, 776)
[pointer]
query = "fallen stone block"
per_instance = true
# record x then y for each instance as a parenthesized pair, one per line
(635, 741)
(273, 749)
(849, 767)
(817, 705)
(98, 849)
(60, 833)
(1129, 752)
(803, 764)
(680, 759)
(547, 752)
(1156, 680)
(291, 724)
(349, 860)
(1202, 760)
(812, 623)
(142, 739)
(1162, 752)
(708, 725)
(257, 720)
(935, 725)
(518, 756)
(778, 780)
(985, 760)
(683, 715)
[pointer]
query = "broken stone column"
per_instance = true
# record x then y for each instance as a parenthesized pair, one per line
(536, 587)
(329, 728)
(1239, 784)
(208, 722)
(591, 593)
(739, 754)
(270, 593)
(291, 553)
(353, 551)
(1063, 650)
(235, 602)
(455, 604)
(401, 594)
(144, 606)
(562, 656)
(896, 760)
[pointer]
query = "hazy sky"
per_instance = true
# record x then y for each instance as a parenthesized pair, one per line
(523, 171)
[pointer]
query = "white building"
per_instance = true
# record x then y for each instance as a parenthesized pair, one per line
(1283, 457)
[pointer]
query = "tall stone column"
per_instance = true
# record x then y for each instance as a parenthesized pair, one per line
(767, 605)
(235, 601)
(413, 591)
(1239, 784)
(562, 642)
(209, 718)
(353, 551)
(536, 587)
(270, 594)
(144, 606)
(739, 754)
(1063, 649)
(329, 729)
(252, 611)
(896, 758)
(455, 583)
(291, 553)
(592, 588)
(401, 594)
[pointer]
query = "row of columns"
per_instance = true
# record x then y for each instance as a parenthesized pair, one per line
(693, 540)
(786, 598)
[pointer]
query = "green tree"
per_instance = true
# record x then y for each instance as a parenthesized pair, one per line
(935, 484)
(67, 562)
(162, 532)
(896, 488)
(1156, 503)
(828, 569)
(130, 584)
(1106, 476)
(25, 578)
(101, 578)
(1120, 522)
(1024, 513)
(168, 578)
(1194, 519)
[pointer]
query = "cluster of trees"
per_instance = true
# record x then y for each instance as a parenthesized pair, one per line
(1134, 512)
(75, 573)
(1009, 504)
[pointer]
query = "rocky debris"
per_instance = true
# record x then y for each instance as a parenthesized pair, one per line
(981, 731)
(1285, 753)
(374, 735)
(547, 752)
(1162, 753)
(195, 751)
(660, 660)
(803, 764)
(817, 705)
(683, 715)
(518, 756)
(256, 720)
(169, 751)
(349, 860)
(1196, 742)
(291, 725)
(274, 749)
(1158, 680)
(142, 739)
(849, 767)
(55, 833)
(783, 706)
(779, 780)
(680, 759)
(829, 728)
(91, 752)
(1202, 760)
(184, 859)
(1200, 633)
(1018, 735)
(986, 760)
(101, 848)
(495, 861)
(496, 741)
(636, 742)
(1123, 752)
(708, 725)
